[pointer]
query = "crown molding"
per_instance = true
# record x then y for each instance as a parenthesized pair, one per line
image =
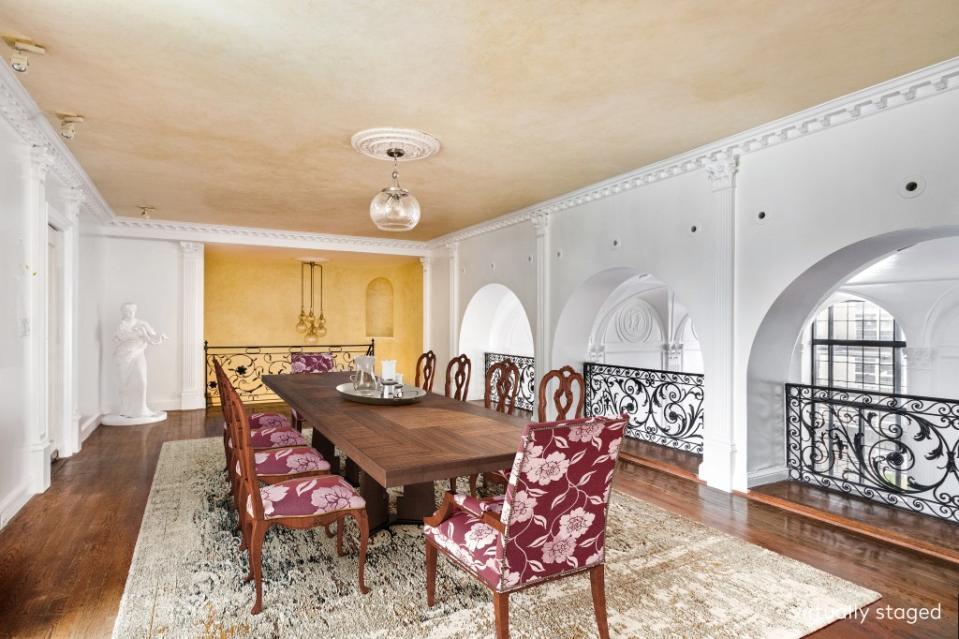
(912, 87)
(18, 108)
(130, 227)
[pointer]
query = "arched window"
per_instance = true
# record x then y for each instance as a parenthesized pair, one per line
(857, 344)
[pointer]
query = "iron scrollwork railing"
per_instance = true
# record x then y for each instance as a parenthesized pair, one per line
(246, 365)
(900, 450)
(527, 377)
(664, 407)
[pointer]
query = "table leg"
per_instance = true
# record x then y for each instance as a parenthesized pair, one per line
(352, 472)
(418, 501)
(327, 449)
(377, 503)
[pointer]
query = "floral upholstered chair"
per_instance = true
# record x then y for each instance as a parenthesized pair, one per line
(309, 363)
(551, 522)
(300, 503)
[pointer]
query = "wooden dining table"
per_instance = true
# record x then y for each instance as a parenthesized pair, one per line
(409, 446)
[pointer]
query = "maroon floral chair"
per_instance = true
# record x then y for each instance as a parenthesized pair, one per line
(305, 363)
(551, 523)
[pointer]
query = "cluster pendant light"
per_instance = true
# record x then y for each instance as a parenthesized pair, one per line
(312, 325)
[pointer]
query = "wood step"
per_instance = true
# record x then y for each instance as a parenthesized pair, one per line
(857, 527)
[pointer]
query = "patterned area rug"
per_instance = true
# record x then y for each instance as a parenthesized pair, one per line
(666, 576)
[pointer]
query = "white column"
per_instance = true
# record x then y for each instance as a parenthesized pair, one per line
(192, 365)
(921, 379)
(427, 304)
(70, 399)
(544, 356)
(454, 255)
(33, 323)
(719, 449)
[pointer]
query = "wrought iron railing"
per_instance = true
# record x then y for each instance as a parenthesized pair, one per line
(664, 407)
(900, 450)
(246, 365)
(527, 377)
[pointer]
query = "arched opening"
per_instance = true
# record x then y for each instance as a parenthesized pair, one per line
(638, 348)
(379, 308)
(838, 398)
(496, 323)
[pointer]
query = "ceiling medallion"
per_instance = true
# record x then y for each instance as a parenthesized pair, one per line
(394, 208)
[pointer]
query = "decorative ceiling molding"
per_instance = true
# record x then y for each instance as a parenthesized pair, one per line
(25, 117)
(416, 145)
(220, 234)
(912, 87)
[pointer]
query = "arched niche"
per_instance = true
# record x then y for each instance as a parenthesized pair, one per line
(624, 317)
(379, 308)
(494, 321)
(775, 354)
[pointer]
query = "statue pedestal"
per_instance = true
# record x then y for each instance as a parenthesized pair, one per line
(120, 420)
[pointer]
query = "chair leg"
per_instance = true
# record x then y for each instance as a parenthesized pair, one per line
(473, 479)
(597, 580)
(453, 484)
(430, 574)
(364, 526)
(339, 537)
(501, 613)
(256, 563)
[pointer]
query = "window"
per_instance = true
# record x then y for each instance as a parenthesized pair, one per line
(858, 345)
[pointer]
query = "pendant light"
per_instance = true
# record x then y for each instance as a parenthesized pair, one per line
(301, 325)
(321, 320)
(313, 326)
(311, 335)
(394, 208)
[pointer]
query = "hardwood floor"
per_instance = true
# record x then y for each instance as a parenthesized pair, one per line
(65, 556)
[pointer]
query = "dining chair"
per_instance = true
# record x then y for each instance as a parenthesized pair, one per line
(308, 363)
(458, 380)
(499, 393)
(502, 381)
(426, 371)
(302, 503)
(458, 384)
(269, 430)
(550, 524)
(570, 386)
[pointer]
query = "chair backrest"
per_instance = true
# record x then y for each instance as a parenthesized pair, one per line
(426, 371)
(566, 378)
(458, 381)
(557, 499)
(311, 362)
(238, 426)
(502, 379)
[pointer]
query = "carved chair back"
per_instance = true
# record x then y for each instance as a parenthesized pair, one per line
(311, 362)
(458, 380)
(426, 371)
(503, 379)
(566, 378)
(557, 499)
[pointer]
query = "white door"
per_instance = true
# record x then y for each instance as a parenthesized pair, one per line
(54, 341)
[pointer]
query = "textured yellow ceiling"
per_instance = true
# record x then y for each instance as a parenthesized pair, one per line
(241, 112)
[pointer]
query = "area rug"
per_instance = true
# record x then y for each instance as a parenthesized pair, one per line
(666, 577)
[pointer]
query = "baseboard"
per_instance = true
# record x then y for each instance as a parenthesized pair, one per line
(192, 401)
(165, 404)
(12, 503)
(88, 425)
(767, 475)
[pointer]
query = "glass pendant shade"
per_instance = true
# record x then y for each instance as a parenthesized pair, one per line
(311, 336)
(302, 326)
(320, 326)
(394, 208)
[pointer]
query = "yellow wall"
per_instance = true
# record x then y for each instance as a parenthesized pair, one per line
(255, 299)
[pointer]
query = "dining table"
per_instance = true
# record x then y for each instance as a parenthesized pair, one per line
(409, 446)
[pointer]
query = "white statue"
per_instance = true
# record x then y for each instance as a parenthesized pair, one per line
(132, 338)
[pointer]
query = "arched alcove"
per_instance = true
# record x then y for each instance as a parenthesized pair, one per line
(379, 308)
(775, 354)
(494, 321)
(631, 330)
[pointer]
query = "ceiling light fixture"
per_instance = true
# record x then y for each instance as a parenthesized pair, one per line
(20, 60)
(394, 208)
(68, 124)
(313, 326)
(146, 211)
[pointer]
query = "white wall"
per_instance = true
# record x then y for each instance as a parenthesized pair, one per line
(832, 204)
(149, 273)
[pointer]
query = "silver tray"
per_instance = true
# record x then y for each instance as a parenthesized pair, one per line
(411, 395)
